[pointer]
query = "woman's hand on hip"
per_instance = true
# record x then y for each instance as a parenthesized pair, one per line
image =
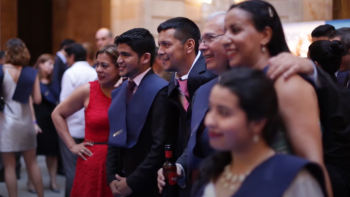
(81, 150)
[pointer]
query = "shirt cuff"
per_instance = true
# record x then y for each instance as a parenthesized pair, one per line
(181, 181)
(314, 76)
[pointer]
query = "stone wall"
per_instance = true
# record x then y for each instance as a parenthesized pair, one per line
(150, 13)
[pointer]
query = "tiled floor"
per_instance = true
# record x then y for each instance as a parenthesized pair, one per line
(22, 188)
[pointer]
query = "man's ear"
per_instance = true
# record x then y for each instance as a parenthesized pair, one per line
(190, 46)
(146, 58)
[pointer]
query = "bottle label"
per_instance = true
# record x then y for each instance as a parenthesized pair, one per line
(168, 154)
(172, 178)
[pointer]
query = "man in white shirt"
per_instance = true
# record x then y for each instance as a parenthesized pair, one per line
(80, 72)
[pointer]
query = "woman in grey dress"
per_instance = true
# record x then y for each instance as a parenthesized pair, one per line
(20, 87)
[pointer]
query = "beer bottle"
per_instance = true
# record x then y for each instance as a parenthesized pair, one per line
(170, 174)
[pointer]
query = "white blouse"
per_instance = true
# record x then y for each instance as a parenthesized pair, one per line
(303, 185)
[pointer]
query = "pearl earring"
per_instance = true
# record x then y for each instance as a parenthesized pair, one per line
(263, 49)
(255, 138)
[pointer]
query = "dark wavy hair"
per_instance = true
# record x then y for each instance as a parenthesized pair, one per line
(16, 52)
(185, 29)
(258, 98)
(264, 15)
(328, 54)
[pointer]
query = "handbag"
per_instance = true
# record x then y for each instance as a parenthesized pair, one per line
(2, 102)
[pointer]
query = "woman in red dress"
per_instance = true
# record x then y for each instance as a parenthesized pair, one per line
(90, 177)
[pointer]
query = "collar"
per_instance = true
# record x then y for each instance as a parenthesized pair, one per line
(139, 77)
(81, 63)
(185, 77)
(62, 57)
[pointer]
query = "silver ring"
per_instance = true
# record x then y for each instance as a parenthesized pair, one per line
(82, 150)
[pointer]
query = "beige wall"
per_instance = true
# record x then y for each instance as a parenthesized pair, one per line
(150, 13)
(79, 20)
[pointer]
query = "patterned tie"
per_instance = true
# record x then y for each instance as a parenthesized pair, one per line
(130, 91)
(184, 90)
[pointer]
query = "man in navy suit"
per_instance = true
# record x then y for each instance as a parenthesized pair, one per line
(178, 49)
(60, 67)
(216, 62)
(137, 118)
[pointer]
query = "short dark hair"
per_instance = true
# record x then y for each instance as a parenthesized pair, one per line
(323, 31)
(328, 54)
(184, 29)
(77, 50)
(139, 40)
(263, 15)
(66, 42)
(344, 34)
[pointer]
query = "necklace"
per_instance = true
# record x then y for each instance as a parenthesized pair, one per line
(230, 180)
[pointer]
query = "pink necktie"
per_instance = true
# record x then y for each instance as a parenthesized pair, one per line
(184, 90)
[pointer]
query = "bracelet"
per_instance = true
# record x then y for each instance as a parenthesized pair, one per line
(34, 122)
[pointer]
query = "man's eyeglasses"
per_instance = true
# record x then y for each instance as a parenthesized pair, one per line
(207, 39)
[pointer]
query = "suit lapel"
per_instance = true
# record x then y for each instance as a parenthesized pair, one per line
(199, 110)
(194, 78)
(173, 96)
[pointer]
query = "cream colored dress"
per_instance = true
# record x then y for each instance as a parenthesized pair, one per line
(17, 132)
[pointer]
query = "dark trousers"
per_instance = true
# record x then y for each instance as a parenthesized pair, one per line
(69, 161)
(340, 180)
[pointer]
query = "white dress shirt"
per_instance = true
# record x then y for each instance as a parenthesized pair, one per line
(78, 74)
(139, 78)
(61, 56)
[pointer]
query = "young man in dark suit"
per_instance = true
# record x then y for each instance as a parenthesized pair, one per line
(137, 118)
(178, 49)
(60, 66)
(198, 147)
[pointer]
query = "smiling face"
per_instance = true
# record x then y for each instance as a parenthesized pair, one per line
(213, 51)
(227, 122)
(171, 51)
(107, 70)
(242, 41)
(128, 61)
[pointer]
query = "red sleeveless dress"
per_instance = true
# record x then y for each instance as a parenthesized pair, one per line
(90, 176)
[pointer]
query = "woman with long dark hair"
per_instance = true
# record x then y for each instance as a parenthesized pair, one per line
(253, 35)
(243, 121)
